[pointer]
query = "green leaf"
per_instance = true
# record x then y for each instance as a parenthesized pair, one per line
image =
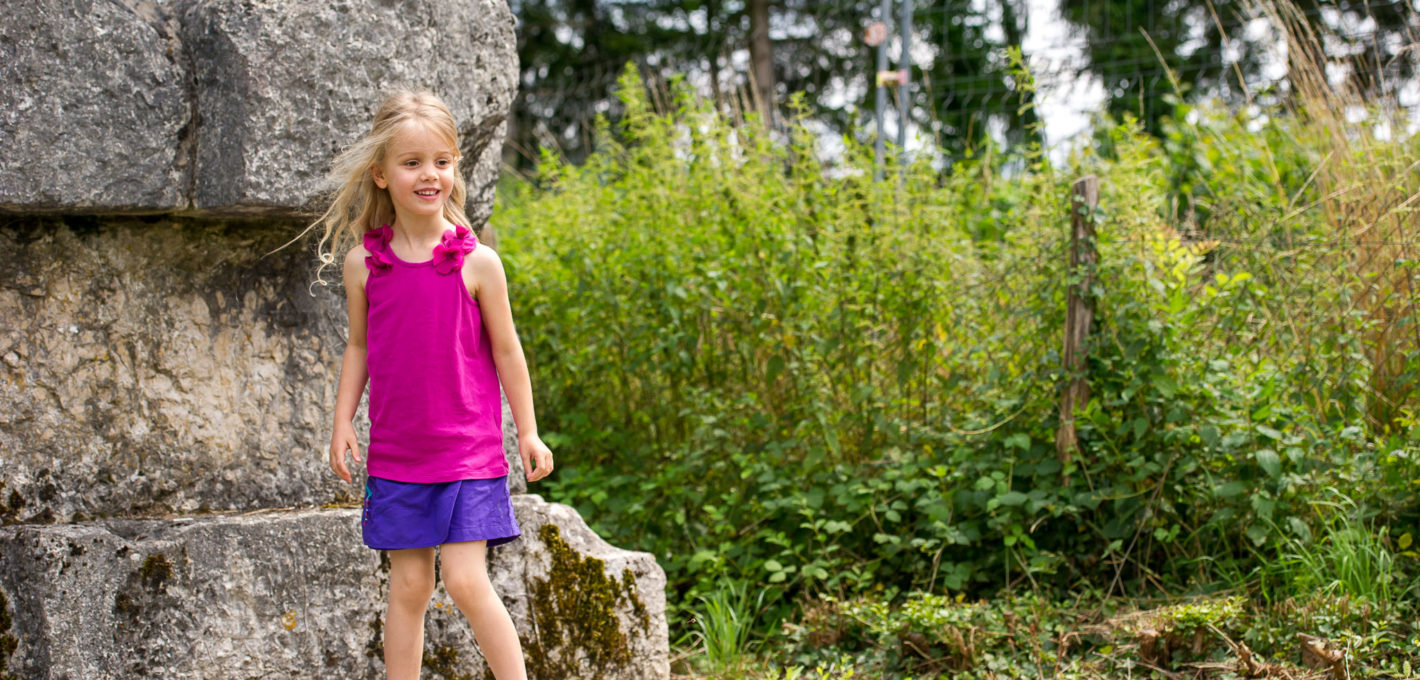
(1229, 489)
(1208, 434)
(1165, 386)
(1013, 498)
(1270, 463)
(776, 366)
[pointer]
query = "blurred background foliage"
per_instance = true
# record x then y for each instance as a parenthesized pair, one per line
(572, 52)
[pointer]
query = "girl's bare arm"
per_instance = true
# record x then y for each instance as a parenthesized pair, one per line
(353, 372)
(489, 286)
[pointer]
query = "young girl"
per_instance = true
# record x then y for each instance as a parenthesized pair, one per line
(432, 331)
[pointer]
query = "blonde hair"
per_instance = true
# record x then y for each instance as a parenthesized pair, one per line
(359, 205)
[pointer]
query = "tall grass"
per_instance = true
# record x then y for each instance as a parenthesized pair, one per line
(725, 619)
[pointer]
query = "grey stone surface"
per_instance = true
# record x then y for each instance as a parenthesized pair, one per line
(93, 108)
(155, 366)
(296, 594)
(231, 108)
(152, 366)
(283, 85)
(595, 611)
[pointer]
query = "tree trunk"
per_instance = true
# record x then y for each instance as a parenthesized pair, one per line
(711, 9)
(761, 58)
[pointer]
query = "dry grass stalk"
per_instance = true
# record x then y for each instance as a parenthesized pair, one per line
(1370, 194)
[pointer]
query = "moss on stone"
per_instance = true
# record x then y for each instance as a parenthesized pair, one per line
(443, 660)
(10, 508)
(156, 570)
(375, 648)
(575, 627)
(124, 604)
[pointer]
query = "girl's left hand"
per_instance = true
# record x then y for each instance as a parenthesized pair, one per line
(532, 449)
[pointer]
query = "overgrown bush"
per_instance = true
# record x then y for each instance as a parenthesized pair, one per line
(762, 365)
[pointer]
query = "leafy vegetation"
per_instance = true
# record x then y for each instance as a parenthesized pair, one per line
(763, 366)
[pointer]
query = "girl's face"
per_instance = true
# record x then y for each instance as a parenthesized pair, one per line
(418, 171)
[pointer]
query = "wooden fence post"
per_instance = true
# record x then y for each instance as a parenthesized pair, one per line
(1079, 313)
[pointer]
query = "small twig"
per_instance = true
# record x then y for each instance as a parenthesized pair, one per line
(1148, 508)
(1171, 675)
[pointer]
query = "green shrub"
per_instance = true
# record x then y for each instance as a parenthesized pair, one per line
(762, 365)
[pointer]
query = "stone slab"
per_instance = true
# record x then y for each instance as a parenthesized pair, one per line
(296, 594)
(94, 108)
(230, 108)
(158, 366)
(283, 85)
(154, 366)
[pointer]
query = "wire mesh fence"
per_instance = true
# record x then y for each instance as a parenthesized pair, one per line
(1084, 56)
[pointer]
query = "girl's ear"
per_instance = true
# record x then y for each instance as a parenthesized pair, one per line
(378, 174)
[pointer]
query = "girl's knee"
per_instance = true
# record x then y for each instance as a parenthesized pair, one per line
(466, 584)
(412, 582)
(412, 590)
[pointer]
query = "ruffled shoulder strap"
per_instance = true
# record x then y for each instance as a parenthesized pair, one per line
(449, 253)
(377, 244)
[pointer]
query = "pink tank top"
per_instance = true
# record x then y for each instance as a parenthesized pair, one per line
(435, 411)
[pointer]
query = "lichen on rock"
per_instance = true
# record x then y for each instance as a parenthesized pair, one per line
(575, 626)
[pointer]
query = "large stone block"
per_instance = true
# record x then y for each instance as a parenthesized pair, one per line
(93, 108)
(283, 85)
(152, 366)
(229, 107)
(296, 594)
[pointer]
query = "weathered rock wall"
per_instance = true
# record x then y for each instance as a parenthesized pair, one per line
(166, 364)
(161, 369)
(160, 365)
(295, 594)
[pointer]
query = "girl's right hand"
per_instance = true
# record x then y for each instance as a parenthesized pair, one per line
(343, 439)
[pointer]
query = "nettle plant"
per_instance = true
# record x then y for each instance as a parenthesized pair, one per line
(769, 367)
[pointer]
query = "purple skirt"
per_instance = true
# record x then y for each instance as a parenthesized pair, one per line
(399, 515)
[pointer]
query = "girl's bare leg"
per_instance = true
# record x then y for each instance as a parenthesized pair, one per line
(411, 585)
(465, 573)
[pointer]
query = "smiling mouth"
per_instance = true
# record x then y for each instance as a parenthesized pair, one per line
(427, 193)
